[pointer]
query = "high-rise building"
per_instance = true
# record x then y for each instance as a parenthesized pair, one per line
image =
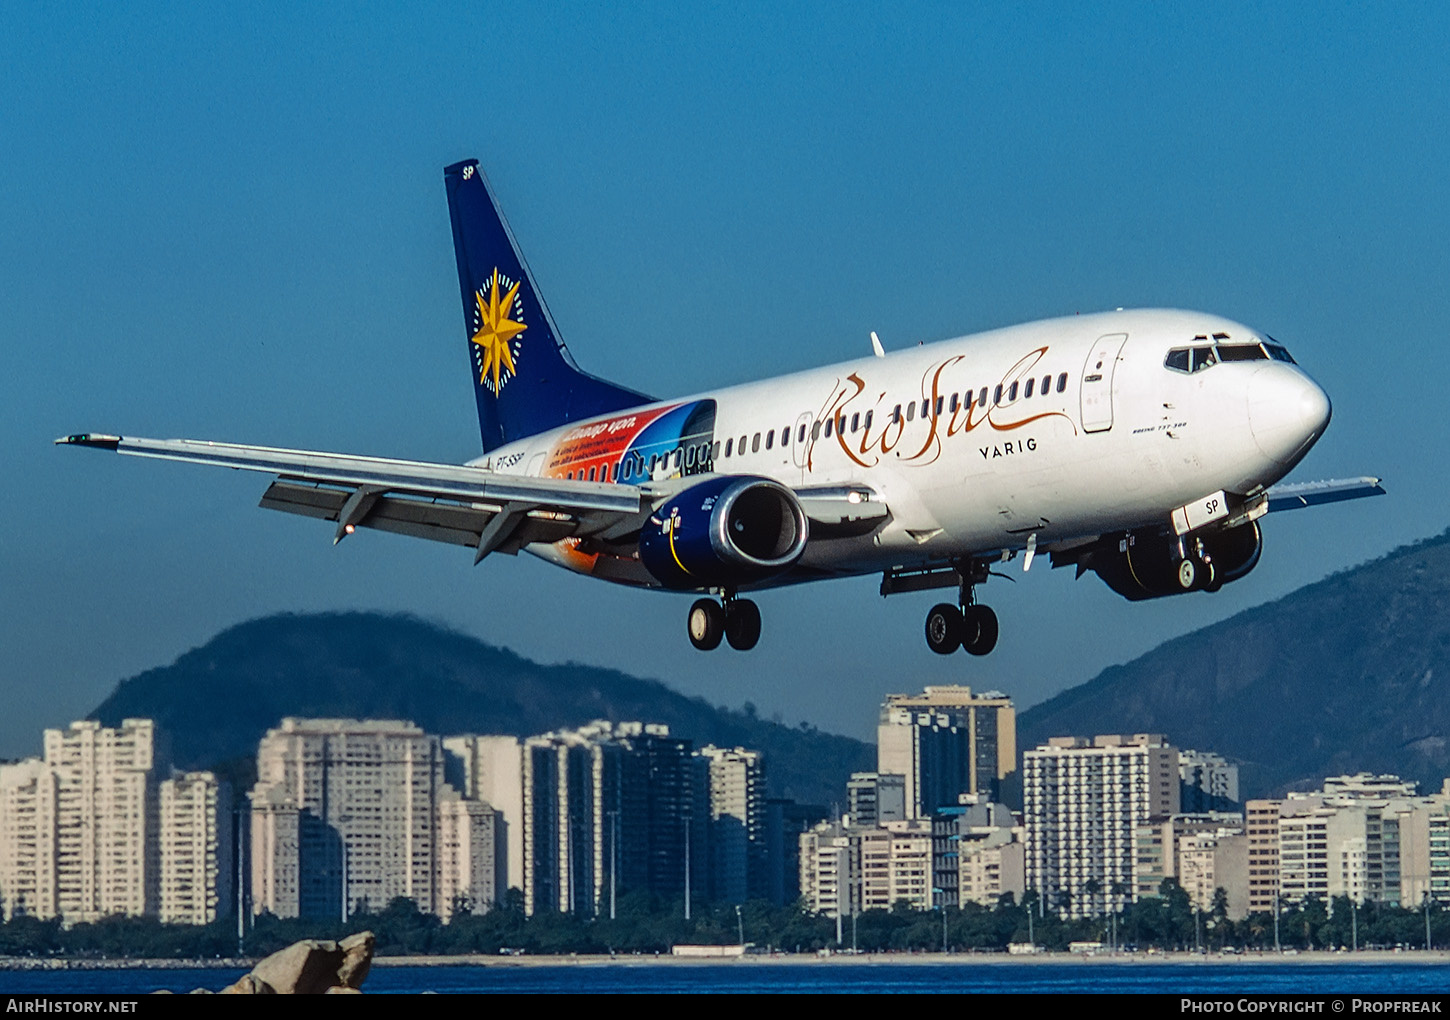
(978, 853)
(345, 814)
(1207, 782)
(785, 820)
(106, 849)
(737, 823)
(28, 804)
(896, 864)
(491, 769)
(195, 833)
(1261, 824)
(830, 862)
(1157, 840)
(1211, 860)
(1083, 803)
(1365, 837)
(874, 797)
(947, 742)
(470, 855)
(610, 808)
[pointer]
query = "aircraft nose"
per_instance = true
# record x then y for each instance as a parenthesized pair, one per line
(1287, 412)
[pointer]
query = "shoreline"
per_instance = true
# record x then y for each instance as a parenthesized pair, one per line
(1267, 958)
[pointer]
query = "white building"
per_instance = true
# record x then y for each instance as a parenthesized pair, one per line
(28, 803)
(470, 855)
(196, 861)
(830, 870)
(1083, 802)
(491, 769)
(106, 847)
(345, 813)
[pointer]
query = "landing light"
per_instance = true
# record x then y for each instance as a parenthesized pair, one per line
(349, 528)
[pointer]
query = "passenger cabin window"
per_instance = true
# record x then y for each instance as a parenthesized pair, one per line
(1062, 383)
(982, 397)
(868, 421)
(729, 443)
(1027, 390)
(801, 438)
(1046, 384)
(770, 439)
(755, 444)
(952, 404)
(896, 414)
(829, 423)
(997, 394)
(1011, 393)
(939, 401)
(740, 446)
(911, 411)
(785, 435)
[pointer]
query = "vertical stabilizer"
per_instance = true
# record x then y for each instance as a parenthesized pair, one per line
(523, 377)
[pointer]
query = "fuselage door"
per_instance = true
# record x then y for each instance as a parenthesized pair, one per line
(1097, 382)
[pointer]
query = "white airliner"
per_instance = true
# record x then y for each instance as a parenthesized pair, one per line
(1141, 445)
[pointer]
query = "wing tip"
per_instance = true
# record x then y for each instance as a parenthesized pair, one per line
(96, 440)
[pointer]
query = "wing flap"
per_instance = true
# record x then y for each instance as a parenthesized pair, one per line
(488, 527)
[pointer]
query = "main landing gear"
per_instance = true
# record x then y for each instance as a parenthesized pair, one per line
(736, 620)
(973, 627)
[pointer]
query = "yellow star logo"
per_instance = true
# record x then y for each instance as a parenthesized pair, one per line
(495, 330)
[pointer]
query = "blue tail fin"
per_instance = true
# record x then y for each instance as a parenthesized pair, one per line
(523, 376)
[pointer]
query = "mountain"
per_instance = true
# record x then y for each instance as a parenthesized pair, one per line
(1351, 673)
(215, 702)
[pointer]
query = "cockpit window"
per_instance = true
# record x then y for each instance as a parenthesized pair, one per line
(1202, 357)
(1190, 359)
(1278, 353)
(1241, 352)
(1177, 359)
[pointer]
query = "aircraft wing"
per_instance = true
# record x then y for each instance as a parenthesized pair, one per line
(458, 504)
(1302, 494)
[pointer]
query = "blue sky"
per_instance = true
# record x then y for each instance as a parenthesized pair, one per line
(229, 223)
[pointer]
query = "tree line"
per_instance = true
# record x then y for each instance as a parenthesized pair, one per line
(645, 923)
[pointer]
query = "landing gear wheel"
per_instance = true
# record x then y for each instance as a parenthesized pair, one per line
(944, 629)
(979, 625)
(1187, 574)
(1211, 582)
(742, 624)
(706, 623)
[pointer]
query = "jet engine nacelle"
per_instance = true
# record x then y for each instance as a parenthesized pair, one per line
(724, 532)
(1148, 564)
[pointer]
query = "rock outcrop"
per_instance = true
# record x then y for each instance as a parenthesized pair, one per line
(311, 967)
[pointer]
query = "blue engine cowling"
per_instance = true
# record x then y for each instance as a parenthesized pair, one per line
(724, 532)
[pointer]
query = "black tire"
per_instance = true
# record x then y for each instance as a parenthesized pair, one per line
(742, 624)
(706, 624)
(981, 629)
(944, 629)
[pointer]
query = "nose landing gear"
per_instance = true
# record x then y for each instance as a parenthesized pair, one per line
(736, 620)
